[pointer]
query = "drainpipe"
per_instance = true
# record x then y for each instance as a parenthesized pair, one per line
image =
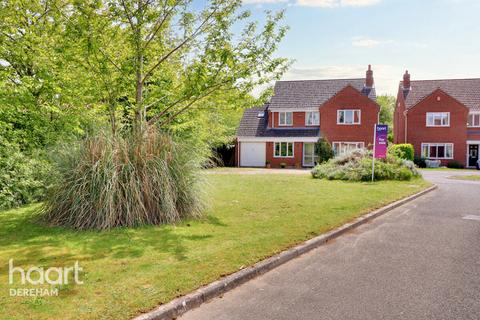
(406, 125)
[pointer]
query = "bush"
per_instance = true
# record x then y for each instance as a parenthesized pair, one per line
(324, 150)
(454, 165)
(22, 178)
(357, 166)
(421, 162)
(105, 182)
(404, 151)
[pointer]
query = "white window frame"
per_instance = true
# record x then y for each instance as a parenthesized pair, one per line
(315, 157)
(353, 117)
(307, 118)
(477, 125)
(280, 155)
(285, 123)
(436, 115)
(437, 144)
(359, 145)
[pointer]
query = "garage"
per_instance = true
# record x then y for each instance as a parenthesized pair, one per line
(252, 154)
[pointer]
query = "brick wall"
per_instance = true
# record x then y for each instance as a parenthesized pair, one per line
(456, 133)
(349, 98)
(296, 161)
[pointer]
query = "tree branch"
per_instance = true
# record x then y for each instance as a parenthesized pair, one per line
(191, 37)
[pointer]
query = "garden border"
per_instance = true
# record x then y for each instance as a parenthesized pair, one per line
(179, 306)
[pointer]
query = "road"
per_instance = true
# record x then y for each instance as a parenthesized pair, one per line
(419, 261)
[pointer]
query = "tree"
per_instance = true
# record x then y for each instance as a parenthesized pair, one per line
(387, 107)
(324, 150)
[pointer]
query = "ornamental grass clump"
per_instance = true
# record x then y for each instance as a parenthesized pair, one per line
(357, 166)
(105, 182)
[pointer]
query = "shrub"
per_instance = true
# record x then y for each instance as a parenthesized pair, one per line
(22, 178)
(454, 165)
(357, 166)
(324, 150)
(105, 182)
(420, 162)
(404, 151)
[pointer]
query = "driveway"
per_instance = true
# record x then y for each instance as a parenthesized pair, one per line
(420, 261)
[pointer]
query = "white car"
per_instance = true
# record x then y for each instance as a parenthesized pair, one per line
(478, 164)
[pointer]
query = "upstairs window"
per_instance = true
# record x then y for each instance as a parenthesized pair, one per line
(283, 149)
(437, 150)
(348, 117)
(438, 119)
(473, 120)
(285, 118)
(312, 118)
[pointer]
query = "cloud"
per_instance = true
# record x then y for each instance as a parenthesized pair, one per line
(364, 42)
(337, 3)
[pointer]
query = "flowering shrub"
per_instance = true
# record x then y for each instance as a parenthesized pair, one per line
(357, 166)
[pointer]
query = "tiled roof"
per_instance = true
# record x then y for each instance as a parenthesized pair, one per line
(313, 93)
(253, 126)
(466, 91)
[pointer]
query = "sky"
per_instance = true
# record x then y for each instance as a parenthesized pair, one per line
(432, 39)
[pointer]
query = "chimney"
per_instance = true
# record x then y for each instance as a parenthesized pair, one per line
(369, 78)
(406, 81)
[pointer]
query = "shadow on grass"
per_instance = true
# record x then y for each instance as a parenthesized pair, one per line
(29, 242)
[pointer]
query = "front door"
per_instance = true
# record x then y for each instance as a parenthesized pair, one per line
(309, 156)
(472, 155)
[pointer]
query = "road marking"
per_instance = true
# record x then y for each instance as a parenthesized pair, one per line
(472, 217)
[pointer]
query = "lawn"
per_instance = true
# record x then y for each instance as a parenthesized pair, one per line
(468, 177)
(127, 271)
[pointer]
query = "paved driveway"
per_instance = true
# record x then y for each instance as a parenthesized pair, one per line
(420, 261)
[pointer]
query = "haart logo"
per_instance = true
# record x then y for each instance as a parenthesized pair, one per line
(41, 276)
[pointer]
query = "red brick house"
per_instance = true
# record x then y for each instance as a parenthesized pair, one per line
(285, 130)
(440, 118)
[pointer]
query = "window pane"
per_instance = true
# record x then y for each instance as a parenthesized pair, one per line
(290, 150)
(282, 118)
(437, 120)
(430, 119)
(341, 117)
(283, 149)
(441, 151)
(445, 119)
(289, 118)
(425, 151)
(470, 121)
(357, 116)
(449, 151)
(433, 151)
(277, 149)
(349, 116)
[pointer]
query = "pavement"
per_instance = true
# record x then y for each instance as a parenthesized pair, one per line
(419, 261)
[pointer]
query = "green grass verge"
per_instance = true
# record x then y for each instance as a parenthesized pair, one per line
(469, 177)
(128, 271)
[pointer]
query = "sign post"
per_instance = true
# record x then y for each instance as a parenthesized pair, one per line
(380, 141)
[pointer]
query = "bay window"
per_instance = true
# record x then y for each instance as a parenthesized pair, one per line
(438, 119)
(348, 116)
(437, 150)
(283, 149)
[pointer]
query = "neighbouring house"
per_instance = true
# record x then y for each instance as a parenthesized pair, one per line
(284, 132)
(440, 118)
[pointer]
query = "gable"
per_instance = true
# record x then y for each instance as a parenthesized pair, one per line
(431, 102)
(349, 97)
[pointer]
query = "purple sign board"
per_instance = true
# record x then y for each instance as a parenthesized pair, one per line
(381, 141)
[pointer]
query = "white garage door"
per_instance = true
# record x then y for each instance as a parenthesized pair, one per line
(252, 154)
